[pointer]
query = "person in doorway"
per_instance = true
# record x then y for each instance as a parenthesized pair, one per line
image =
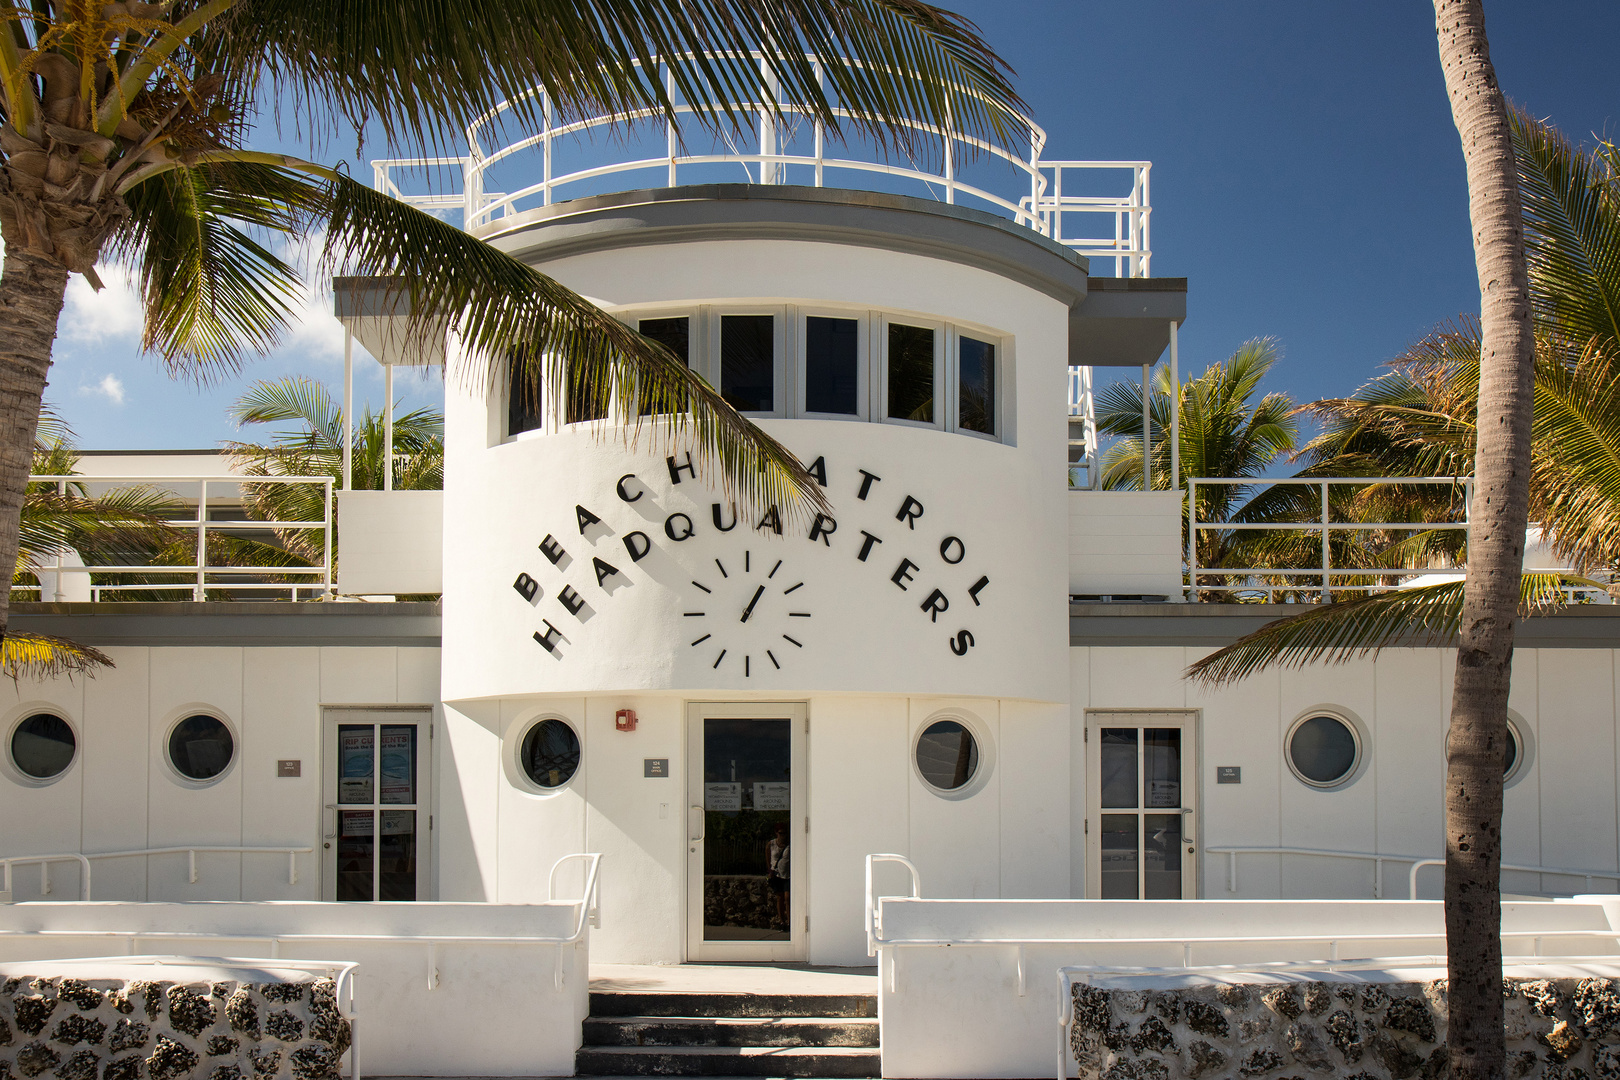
(777, 870)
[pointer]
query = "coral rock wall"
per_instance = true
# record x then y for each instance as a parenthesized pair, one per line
(1558, 1029)
(108, 1029)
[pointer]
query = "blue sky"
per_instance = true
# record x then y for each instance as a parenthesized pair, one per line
(1307, 180)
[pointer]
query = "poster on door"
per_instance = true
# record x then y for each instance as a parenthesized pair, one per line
(772, 794)
(724, 798)
(355, 760)
(396, 765)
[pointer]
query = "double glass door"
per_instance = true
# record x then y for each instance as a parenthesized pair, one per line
(745, 832)
(1142, 790)
(375, 819)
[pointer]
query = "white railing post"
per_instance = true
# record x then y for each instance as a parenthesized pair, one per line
(326, 531)
(1192, 538)
(1327, 596)
(820, 128)
(949, 141)
(671, 137)
(1146, 211)
(200, 593)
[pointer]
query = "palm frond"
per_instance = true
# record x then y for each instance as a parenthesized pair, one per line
(508, 313)
(407, 69)
(1425, 615)
(41, 656)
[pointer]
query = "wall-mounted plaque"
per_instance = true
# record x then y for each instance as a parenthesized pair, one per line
(1229, 774)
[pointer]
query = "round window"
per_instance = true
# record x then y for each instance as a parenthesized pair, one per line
(1514, 753)
(201, 747)
(947, 755)
(1323, 750)
(42, 746)
(549, 755)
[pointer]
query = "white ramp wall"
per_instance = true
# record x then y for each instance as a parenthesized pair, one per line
(496, 1009)
(1125, 543)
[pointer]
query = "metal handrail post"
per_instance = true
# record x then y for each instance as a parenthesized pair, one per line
(549, 116)
(1327, 596)
(670, 138)
(200, 592)
(820, 129)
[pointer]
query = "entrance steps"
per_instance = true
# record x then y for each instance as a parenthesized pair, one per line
(710, 1034)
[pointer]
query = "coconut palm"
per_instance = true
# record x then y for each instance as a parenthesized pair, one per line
(1226, 432)
(124, 132)
(313, 446)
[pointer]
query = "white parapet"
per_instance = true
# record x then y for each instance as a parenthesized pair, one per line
(390, 542)
(1125, 543)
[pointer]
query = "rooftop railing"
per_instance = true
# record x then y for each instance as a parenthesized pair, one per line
(1066, 201)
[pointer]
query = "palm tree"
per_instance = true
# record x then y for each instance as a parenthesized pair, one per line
(124, 131)
(314, 447)
(1225, 432)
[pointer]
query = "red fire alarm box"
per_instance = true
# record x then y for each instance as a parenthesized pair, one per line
(625, 719)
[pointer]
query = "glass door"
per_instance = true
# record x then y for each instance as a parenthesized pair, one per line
(746, 834)
(376, 810)
(1142, 795)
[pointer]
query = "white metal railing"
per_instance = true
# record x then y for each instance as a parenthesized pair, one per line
(1378, 859)
(776, 158)
(190, 851)
(1083, 411)
(199, 576)
(589, 915)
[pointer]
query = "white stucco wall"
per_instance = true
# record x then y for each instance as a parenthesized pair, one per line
(120, 794)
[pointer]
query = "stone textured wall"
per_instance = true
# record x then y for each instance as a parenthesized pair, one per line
(738, 900)
(1559, 1029)
(108, 1029)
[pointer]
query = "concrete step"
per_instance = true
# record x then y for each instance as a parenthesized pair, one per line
(730, 1031)
(622, 1003)
(834, 1063)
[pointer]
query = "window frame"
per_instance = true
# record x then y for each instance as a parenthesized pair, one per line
(697, 339)
(25, 713)
(863, 361)
(179, 717)
(941, 353)
(1357, 763)
(519, 776)
(953, 374)
(980, 733)
(714, 342)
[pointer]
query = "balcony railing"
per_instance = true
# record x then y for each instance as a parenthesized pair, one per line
(1063, 200)
(200, 578)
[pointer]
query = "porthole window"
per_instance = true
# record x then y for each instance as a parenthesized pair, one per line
(549, 753)
(43, 746)
(947, 755)
(1323, 750)
(201, 747)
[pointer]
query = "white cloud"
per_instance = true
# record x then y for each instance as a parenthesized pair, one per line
(90, 317)
(110, 387)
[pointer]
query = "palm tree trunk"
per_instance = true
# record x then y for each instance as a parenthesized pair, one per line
(1478, 735)
(31, 291)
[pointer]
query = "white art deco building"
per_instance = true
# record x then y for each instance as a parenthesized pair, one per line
(974, 659)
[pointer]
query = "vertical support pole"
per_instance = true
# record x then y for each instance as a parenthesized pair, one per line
(348, 409)
(767, 129)
(821, 133)
(1175, 412)
(1147, 220)
(545, 144)
(948, 137)
(1327, 594)
(1147, 428)
(388, 428)
(198, 593)
(670, 138)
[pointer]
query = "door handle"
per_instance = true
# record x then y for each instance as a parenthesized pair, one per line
(703, 825)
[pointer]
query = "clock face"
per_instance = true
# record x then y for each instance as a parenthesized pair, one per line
(748, 613)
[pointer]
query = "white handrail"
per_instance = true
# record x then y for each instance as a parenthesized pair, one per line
(1042, 210)
(874, 906)
(203, 575)
(1378, 859)
(191, 851)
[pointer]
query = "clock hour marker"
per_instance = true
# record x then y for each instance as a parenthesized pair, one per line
(722, 567)
(746, 673)
(774, 569)
(800, 644)
(800, 585)
(774, 664)
(693, 614)
(702, 586)
(719, 658)
(746, 556)
(798, 614)
(702, 639)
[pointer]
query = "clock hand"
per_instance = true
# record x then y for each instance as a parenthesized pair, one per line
(749, 610)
